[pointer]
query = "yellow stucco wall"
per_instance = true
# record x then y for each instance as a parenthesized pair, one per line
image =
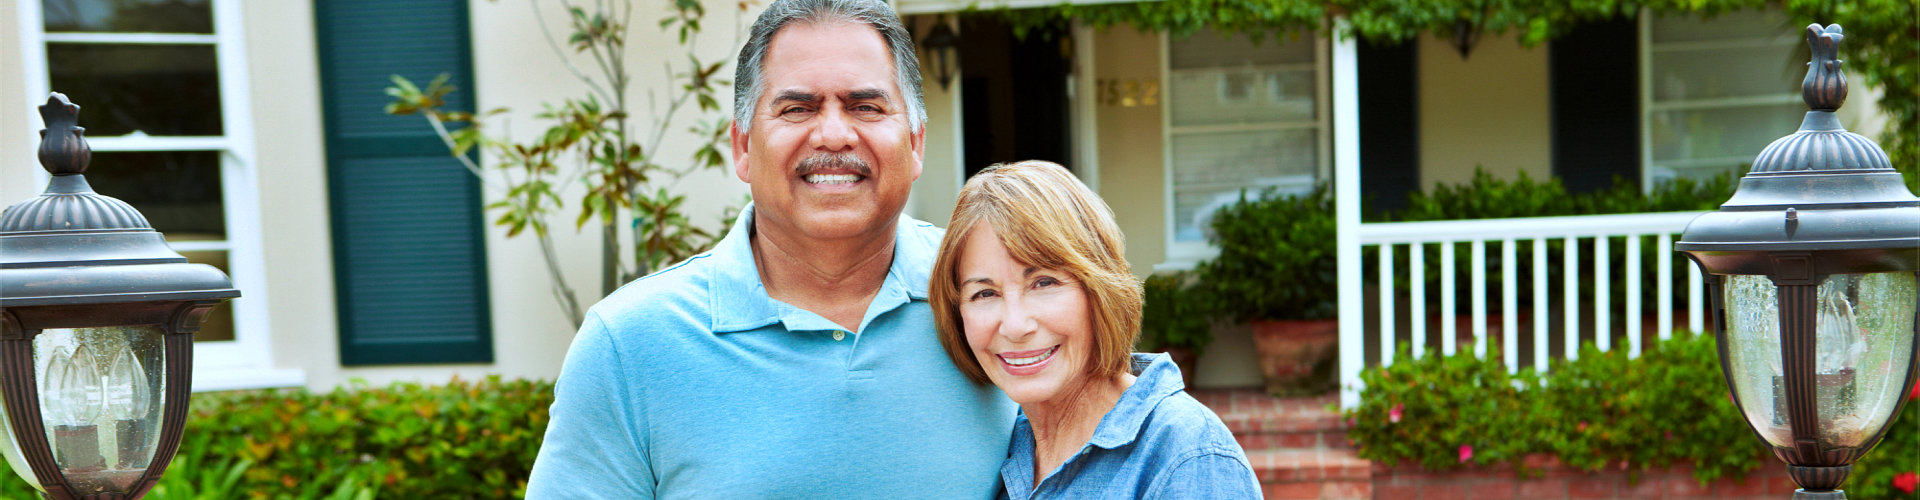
(1131, 146)
(1491, 109)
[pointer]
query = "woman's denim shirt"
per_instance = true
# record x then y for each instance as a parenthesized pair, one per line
(1158, 442)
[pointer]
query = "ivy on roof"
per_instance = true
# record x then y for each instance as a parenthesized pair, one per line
(1882, 44)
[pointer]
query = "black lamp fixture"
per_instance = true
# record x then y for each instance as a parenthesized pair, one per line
(97, 317)
(942, 45)
(1813, 266)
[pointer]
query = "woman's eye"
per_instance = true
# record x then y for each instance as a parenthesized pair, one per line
(1045, 281)
(983, 294)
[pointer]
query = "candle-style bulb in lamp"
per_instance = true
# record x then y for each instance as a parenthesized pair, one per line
(128, 403)
(70, 398)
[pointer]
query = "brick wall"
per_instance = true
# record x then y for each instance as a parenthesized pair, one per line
(1557, 481)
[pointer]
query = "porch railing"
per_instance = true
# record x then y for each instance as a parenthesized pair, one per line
(1576, 311)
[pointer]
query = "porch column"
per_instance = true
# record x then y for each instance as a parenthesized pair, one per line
(1344, 80)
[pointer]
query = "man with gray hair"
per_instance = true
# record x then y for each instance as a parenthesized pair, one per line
(798, 358)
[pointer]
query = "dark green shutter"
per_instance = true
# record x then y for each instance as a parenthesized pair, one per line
(1389, 122)
(408, 241)
(1594, 73)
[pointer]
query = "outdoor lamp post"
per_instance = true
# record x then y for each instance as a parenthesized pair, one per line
(97, 317)
(1813, 266)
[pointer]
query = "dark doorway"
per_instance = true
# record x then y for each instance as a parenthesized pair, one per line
(1014, 93)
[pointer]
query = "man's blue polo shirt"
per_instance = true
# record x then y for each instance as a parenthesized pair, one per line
(693, 383)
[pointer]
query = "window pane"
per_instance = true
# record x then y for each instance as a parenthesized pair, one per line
(1207, 49)
(1209, 170)
(157, 89)
(1241, 95)
(136, 16)
(219, 323)
(1743, 23)
(1727, 72)
(178, 191)
(1721, 133)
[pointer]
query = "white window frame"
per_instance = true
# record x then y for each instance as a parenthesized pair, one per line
(1649, 107)
(1185, 255)
(246, 361)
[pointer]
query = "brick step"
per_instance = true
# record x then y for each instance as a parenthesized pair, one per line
(1312, 474)
(1262, 422)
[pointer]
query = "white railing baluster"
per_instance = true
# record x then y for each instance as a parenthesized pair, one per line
(1511, 233)
(1479, 249)
(1696, 308)
(1509, 306)
(1665, 287)
(1603, 292)
(1386, 304)
(1634, 312)
(1417, 304)
(1447, 306)
(1540, 305)
(1570, 274)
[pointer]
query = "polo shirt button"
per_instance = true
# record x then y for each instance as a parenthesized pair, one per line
(839, 335)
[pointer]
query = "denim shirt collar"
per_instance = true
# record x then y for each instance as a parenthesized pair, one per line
(740, 301)
(1156, 377)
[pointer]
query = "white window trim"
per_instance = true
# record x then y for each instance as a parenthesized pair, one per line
(1648, 107)
(1183, 256)
(247, 361)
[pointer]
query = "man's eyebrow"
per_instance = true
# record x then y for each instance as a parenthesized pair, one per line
(867, 94)
(794, 95)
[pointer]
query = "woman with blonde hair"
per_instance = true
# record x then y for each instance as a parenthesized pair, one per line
(1032, 292)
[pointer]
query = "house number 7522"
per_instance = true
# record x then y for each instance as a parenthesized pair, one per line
(1127, 92)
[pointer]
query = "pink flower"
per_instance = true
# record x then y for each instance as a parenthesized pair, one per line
(1905, 481)
(1669, 435)
(1466, 453)
(1393, 415)
(1583, 426)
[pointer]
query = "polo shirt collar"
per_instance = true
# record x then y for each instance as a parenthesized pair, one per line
(1156, 379)
(740, 301)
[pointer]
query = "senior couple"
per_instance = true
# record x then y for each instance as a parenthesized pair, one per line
(830, 347)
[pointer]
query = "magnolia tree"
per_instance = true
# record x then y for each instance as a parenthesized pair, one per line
(594, 145)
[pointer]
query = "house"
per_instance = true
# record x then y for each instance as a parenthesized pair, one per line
(252, 134)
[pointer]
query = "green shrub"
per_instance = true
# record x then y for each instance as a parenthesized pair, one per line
(1174, 315)
(459, 440)
(1276, 258)
(1668, 406)
(1897, 454)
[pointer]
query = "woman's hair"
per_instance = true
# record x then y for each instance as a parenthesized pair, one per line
(1047, 219)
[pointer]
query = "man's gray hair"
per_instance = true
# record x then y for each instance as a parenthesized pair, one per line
(749, 79)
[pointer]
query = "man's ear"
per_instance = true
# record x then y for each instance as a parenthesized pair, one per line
(740, 167)
(919, 150)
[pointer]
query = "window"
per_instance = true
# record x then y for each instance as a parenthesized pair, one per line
(1239, 115)
(163, 96)
(1717, 92)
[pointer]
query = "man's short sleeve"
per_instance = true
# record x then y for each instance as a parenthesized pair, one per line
(595, 445)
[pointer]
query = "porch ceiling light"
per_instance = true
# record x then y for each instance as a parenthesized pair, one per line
(97, 317)
(1813, 268)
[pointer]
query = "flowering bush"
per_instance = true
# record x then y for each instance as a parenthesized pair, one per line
(1670, 405)
(1892, 469)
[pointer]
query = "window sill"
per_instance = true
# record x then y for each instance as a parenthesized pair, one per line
(236, 378)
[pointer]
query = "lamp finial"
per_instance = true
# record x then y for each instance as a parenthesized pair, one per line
(1825, 88)
(63, 144)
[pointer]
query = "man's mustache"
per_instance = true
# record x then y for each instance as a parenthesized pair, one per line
(834, 161)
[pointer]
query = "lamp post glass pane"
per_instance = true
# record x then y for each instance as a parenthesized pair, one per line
(1863, 333)
(101, 390)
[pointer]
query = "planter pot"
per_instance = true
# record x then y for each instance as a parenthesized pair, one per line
(1188, 362)
(1298, 358)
